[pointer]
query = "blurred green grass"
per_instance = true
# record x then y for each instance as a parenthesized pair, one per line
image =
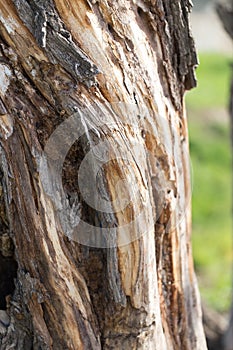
(210, 149)
(213, 75)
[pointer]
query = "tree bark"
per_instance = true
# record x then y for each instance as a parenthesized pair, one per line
(95, 176)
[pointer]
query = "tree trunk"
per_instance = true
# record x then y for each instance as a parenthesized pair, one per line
(95, 181)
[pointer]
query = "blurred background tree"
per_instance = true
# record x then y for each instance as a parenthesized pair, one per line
(209, 124)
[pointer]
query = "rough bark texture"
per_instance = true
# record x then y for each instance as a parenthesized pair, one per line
(127, 63)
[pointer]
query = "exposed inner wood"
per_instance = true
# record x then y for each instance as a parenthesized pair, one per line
(124, 67)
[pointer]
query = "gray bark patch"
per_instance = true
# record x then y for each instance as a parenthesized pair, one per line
(43, 21)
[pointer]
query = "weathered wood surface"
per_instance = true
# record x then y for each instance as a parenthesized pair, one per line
(127, 63)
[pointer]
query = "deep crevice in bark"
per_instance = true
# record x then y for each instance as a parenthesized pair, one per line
(8, 273)
(8, 264)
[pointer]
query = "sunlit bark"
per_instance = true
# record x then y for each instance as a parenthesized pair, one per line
(122, 67)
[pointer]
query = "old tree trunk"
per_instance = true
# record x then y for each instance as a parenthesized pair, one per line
(95, 184)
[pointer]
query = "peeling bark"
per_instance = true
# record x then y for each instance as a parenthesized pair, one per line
(122, 69)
